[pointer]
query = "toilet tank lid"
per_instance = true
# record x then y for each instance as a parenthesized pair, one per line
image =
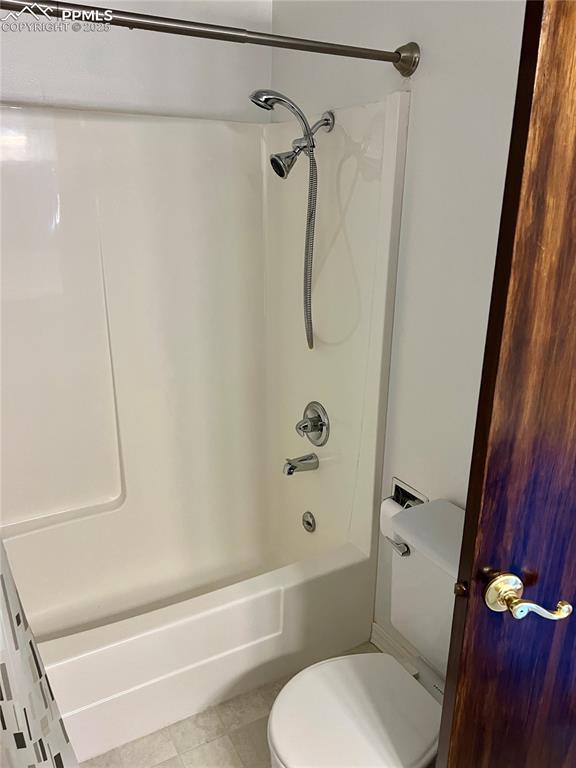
(434, 529)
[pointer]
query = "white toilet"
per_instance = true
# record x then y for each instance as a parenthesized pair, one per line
(367, 710)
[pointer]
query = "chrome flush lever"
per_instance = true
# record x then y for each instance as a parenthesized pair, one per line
(504, 593)
(399, 546)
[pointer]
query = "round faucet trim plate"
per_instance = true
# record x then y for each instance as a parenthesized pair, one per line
(314, 424)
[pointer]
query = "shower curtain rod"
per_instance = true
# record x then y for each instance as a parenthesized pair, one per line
(405, 58)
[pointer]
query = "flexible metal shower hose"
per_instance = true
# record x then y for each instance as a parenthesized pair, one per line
(309, 247)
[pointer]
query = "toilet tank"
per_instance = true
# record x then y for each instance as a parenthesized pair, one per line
(422, 599)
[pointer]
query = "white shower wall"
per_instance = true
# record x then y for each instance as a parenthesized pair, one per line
(351, 298)
(170, 211)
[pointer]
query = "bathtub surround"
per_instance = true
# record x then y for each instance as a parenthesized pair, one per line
(31, 729)
(186, 252)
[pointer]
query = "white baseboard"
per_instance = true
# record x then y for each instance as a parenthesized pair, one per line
(388, 644)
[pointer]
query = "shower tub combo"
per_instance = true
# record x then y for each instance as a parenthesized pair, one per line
(165, 567)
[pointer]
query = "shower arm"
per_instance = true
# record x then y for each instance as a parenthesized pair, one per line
(326, 121)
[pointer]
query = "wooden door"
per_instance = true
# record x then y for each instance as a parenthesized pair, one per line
(511, 690)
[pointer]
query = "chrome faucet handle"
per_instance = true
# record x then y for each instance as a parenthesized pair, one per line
(308, 425)
(314, 424)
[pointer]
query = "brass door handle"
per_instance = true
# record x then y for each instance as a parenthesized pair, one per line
(504, 593)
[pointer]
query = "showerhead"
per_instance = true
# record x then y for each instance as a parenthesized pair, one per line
(267, 99)
(283, 162)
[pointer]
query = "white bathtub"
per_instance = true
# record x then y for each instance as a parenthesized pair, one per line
(123, 680)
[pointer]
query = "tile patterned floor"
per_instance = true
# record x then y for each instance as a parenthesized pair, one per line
(230, 735)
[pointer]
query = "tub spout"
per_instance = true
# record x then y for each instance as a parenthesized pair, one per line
(301, 464)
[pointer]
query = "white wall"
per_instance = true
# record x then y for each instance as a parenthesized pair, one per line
(461, 111)
(139, 71)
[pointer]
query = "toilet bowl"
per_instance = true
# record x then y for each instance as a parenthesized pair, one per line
(367, 711)
(362, 711)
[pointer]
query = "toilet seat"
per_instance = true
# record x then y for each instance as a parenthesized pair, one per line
(362, 711)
